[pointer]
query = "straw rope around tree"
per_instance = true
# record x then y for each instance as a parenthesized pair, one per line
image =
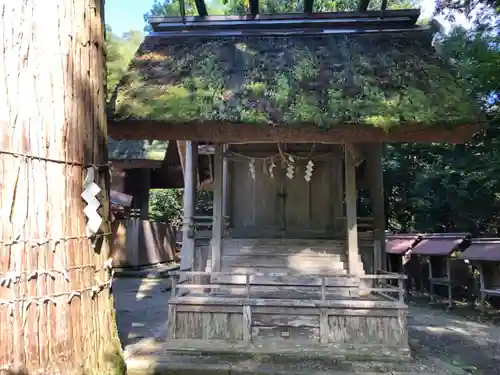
(56, 314)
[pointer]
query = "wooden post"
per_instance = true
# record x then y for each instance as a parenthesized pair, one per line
(481, 288)
(450, 287)
(218, 215)
(431, 285)
(189, 202)
(351, 210)
(323, 288)
(54, 131)
(226, 189)
(376, 181)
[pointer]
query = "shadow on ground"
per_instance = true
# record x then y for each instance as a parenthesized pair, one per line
(141, 308)
(473, 347)
(443, 343)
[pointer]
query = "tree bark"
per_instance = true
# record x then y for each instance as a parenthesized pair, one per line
(56, 311)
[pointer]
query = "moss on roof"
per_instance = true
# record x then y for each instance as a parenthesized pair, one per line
(377, 79)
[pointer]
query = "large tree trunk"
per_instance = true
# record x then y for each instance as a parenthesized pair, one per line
(56, 312)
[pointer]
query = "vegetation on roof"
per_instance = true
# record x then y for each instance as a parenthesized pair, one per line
(379, 80)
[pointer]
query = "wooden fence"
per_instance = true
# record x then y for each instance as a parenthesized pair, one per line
(138, 242)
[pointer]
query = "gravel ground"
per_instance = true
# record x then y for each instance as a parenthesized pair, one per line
(443, 343)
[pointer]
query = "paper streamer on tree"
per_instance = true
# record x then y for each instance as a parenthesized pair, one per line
(90, 191)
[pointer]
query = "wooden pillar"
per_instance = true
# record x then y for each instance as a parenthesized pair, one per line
(137, 183)
(189, 202)
(143, 185)
(218, 215)
(378, 205)
(225, 191)
(351, 210)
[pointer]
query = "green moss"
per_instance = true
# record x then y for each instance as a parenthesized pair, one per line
(377, 80)
(253, 116)
(305, 110)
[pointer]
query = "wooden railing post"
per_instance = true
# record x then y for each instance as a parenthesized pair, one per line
(323, 288)
(247, 285)
(401, 287)
(173, 286)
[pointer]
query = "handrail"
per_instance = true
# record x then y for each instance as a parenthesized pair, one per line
(381, 289)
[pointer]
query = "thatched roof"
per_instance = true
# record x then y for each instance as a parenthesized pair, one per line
(375, 79)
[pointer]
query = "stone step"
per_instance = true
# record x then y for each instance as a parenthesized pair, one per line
(184, 364)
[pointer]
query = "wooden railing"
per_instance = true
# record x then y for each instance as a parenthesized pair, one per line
(203, 226)
(365, 224)
(323, 284)
(387, 282)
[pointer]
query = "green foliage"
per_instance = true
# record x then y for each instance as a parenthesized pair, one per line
(119, 53)
(165, 205)
(442, 187)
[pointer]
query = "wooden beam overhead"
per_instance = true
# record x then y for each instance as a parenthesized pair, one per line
(201, 8)
(254, 7)
(221, 132)
(363, 5)
(308, 6)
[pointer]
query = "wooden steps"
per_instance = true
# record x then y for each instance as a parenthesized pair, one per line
(291, 256)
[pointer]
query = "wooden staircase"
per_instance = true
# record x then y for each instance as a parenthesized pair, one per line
(299, 259)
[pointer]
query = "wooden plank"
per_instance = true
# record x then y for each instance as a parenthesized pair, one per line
(293, 334)
(172, 316)
(288, 347)
(491, 292)
(247, 324)
(282, 311)
(208, 326)
(365, 312)
(285, 320)
(324, 328)
(294, 243)
(208, 308)
(198, 286)
(358, 330)
(284, 292)
(275, 279)
(347, 303)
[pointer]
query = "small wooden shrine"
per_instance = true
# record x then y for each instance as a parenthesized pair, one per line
(297, 107)
(443, 253)
(484, 253)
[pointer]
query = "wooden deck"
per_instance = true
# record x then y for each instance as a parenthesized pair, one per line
(345, 318)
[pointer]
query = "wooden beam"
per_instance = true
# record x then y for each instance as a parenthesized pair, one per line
(218, 209)
(201, 8)
(351, 212)
(218, 131)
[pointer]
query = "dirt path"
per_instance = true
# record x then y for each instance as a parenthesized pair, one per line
(443, 344)
(474, 347)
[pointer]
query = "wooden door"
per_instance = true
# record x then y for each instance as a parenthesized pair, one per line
(311, 208)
